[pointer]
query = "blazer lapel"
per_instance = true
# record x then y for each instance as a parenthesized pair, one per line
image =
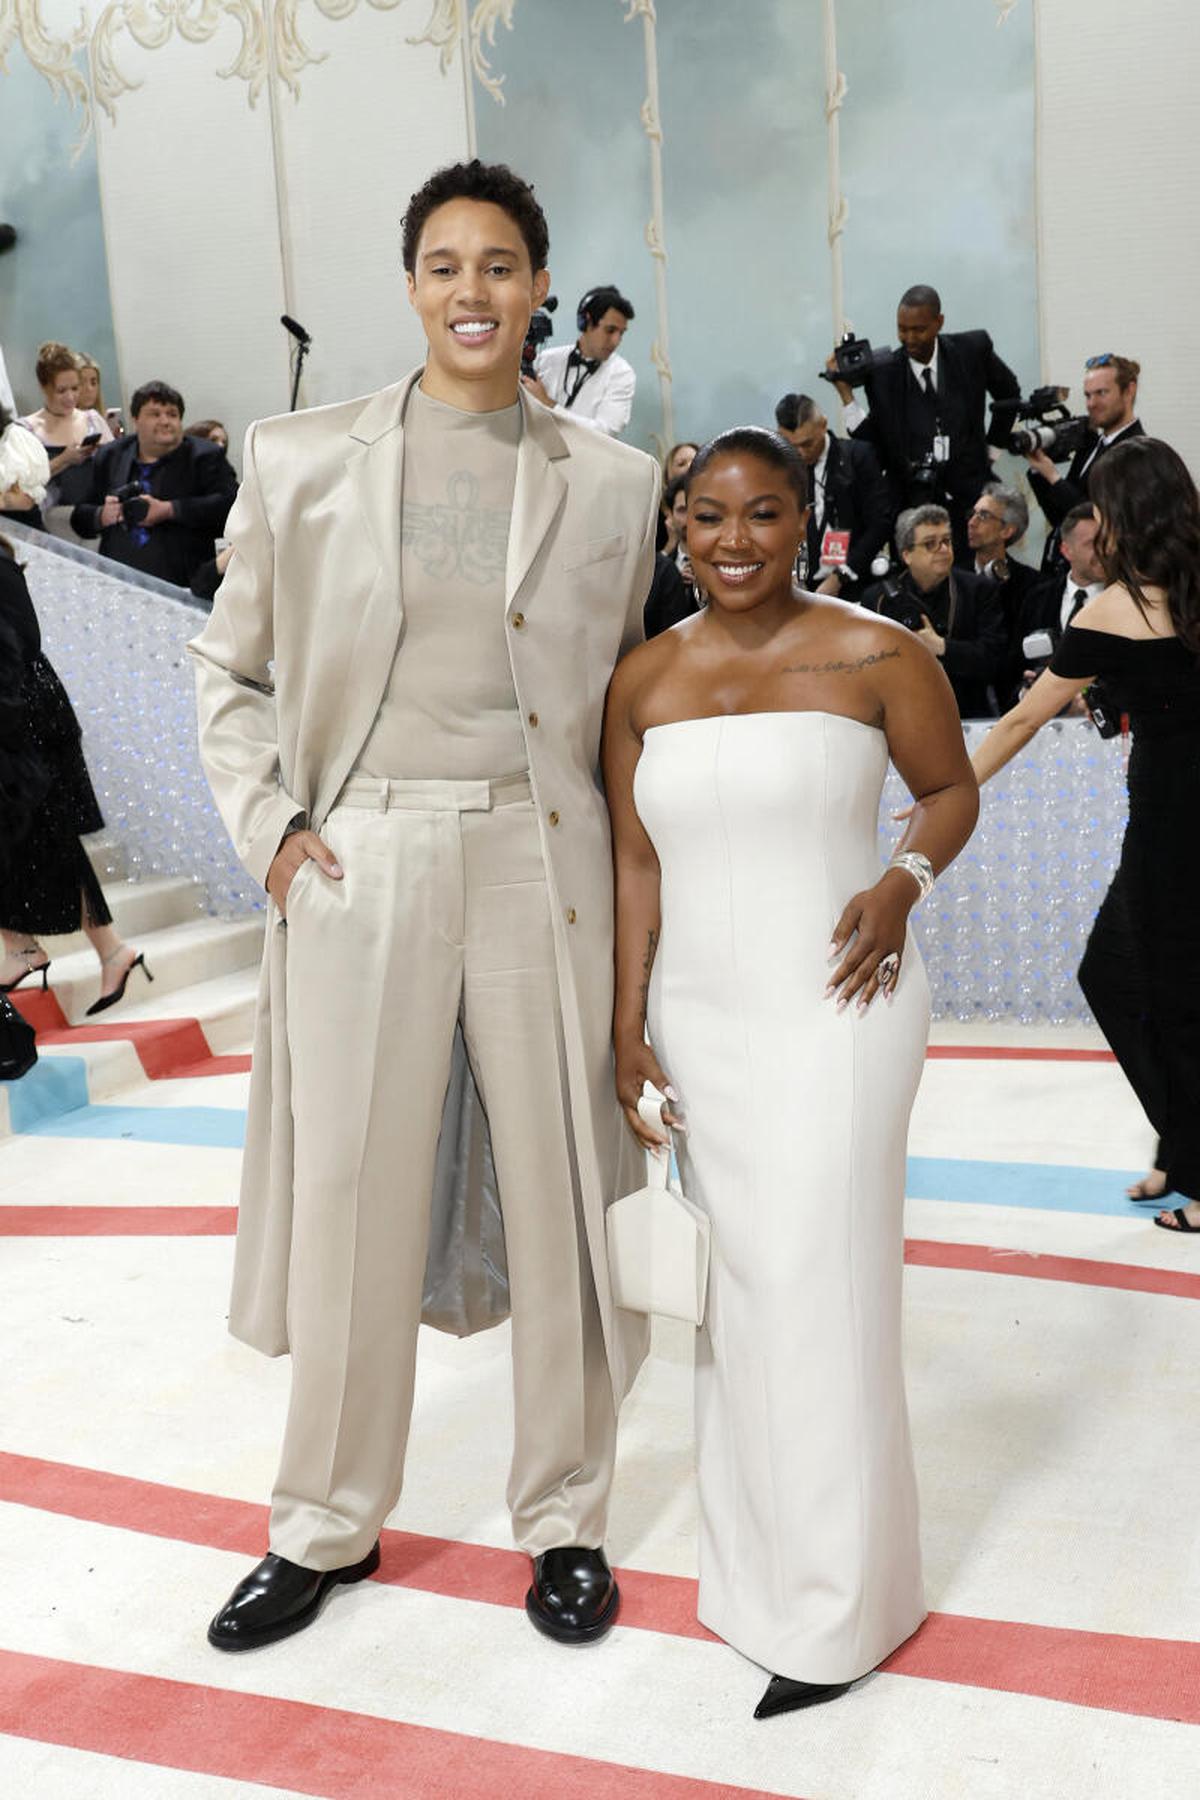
(539, 494)
(360, 655)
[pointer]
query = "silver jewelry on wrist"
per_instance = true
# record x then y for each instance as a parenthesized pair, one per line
(918, 866)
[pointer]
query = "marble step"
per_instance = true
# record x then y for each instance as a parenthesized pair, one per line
(179, 956)
(107, 857)
(139, 907)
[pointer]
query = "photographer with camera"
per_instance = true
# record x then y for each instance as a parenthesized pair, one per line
(925, 403)
(1110, 401)
(589, 378)
(850, 519)
(158, 499)
(955, 612)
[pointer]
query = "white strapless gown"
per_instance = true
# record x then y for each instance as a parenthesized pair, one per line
(797, 1116)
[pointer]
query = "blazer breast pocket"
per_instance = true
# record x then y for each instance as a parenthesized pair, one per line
(579, 556)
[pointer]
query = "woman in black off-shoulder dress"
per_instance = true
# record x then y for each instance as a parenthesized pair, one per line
(1140, 972)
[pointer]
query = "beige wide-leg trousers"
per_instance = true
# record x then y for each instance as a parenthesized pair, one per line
(443, 912)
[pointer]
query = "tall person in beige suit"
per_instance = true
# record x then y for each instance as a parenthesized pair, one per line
(400, 698)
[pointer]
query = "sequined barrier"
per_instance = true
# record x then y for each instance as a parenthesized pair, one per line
(1002, 932)
(117, 641)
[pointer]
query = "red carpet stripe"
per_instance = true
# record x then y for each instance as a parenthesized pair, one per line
(118, 1221)
(168, 1049)
(316, 1750)
(927, 1253)
(1012, 1053)
(1153, 1677)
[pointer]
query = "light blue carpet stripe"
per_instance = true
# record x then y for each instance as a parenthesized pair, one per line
(55, 1085)
(1052, 1187)
(215, 1127)
(40, 1105)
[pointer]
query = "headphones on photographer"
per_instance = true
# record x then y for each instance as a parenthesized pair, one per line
(583, 318)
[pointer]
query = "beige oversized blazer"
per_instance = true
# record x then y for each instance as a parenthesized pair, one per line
(290, 671)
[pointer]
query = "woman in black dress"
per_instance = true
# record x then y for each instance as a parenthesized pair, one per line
(1140, 972)
(47, 883)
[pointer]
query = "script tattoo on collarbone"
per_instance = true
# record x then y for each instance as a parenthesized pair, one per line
(839, 668)
(457, 537)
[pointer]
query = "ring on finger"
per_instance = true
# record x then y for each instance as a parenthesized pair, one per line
(889, 969)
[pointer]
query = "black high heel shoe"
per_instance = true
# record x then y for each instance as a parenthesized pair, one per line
(42, 969)
(107, 1000)
(784, 1695)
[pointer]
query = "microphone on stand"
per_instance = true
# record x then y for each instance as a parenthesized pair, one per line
(303, 346)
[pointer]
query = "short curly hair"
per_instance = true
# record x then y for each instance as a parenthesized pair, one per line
(492, 182)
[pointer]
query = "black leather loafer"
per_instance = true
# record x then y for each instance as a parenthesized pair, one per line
(574, 1598)
(277, 1598)
(784, 1695)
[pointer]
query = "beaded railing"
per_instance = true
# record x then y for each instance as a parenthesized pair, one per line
(117, 640)
(1001, 933)
(1005, 926)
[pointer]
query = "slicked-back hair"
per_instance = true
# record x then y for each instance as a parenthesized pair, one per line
(493, 183)
(676, 486)
(755, 440)
(795, 410)
(161, 391)
(1014, 510)
(911, 521)
(921, 295)
(1077, 515)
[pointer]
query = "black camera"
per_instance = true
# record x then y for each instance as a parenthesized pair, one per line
(855, 361)
(1043, 422)
(541, 327)
(134, 503)
(897, 603)
(1103, 709)
(926, 486)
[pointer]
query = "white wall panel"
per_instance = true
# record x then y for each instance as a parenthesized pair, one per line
(371, 122)
(1118, 161)
(188, 188)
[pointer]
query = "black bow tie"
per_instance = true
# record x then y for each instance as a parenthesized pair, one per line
(577, 360)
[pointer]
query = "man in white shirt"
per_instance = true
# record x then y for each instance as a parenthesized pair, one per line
(589, 378)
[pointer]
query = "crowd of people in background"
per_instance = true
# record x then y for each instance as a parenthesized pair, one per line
(906, 518)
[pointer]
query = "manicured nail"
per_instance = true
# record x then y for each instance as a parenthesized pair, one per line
(335, 869)
(670, 1093)
(863, 1005)
(831, 989)
(843, 1003)
(832, 951)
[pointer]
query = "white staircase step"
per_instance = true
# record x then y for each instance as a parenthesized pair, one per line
(107, 856)
(223, 1005)
(179, 956)
(139, 907)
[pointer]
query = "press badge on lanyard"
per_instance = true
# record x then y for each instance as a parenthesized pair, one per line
(835, 549)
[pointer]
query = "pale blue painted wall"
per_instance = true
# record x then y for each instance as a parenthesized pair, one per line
(937, 163)
(54, 284)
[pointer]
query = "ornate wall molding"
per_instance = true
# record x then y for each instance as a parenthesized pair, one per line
(53, 57)
(656, 230)
(455, 21)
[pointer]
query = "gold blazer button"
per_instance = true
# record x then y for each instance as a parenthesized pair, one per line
(554, 818)
(518, 620)
(571, 915)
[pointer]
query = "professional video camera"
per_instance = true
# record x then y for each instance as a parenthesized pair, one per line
(1043, 422)
(855, 361)
(541, 327)
(135, 502)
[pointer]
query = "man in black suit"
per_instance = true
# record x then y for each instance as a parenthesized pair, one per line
(1110, 399)
(186, 490)
(999, 520)
(925, 410)
(955, 612)
(849, 495)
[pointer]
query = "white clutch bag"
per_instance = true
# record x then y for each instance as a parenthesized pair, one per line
(658, 1242)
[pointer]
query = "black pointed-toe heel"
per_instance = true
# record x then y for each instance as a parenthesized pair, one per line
(107, 1000)
(42, 969)
(784, 1695)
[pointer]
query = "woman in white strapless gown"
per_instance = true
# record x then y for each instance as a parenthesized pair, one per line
(745, 752)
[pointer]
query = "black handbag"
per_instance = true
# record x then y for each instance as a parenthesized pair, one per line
(18, 1044)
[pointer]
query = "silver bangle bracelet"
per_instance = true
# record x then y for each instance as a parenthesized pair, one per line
(918, 866)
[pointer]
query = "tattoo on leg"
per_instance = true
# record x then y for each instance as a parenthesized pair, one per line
(839, 668)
